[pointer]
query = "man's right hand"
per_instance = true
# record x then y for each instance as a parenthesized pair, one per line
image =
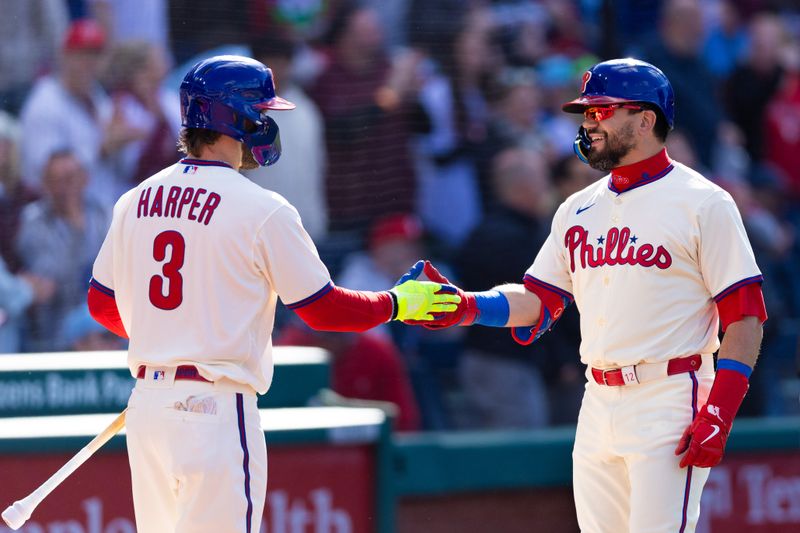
(423, 300)
(465, 313)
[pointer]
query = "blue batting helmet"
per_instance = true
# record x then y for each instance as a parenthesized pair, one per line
(625, 80)
(231, 95)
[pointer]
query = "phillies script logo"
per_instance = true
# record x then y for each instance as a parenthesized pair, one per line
(616, 248)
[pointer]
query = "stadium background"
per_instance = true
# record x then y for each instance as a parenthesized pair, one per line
(424, 128)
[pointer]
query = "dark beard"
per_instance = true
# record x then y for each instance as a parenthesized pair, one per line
(248, 161)
(617, 147)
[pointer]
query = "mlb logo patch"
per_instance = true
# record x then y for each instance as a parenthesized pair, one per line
(190, 169)
(158, 375)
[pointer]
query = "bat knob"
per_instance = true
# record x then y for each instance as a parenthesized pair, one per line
(15, 516)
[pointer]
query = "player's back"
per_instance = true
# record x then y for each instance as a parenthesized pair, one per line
(189, 279)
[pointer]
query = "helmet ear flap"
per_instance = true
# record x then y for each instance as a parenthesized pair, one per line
(198, 112)
(582, 145)
(265, 143)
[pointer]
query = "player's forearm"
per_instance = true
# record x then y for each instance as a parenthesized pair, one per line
(742, 341)
(704, 440)
(524, 307)
(341, 309)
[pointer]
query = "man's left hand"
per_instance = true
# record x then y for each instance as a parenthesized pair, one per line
(704, 440)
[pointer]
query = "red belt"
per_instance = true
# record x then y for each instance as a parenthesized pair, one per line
(616, 377)
(187, 372)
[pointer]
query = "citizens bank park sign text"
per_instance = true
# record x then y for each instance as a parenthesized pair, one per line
(64, 392)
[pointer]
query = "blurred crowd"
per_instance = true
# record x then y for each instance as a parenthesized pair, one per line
(423, 129)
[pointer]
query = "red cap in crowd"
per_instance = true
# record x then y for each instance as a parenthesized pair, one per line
(85, 34)
(397, 226)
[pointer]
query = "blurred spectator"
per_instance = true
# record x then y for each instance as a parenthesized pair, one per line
(726, 40)
(571, 175)
(566, 33)
(298, 22)
(626, 23)
(133, 76)
(462, 58)
(14, 194)
(432, 23)
(134, 20)
(523, 29)
(394, 244)
(58, 239)
(515, 103)
(364, 99)
(782, 123)
(502, 381)
(366, 367)
(679, 148)
(298, 175)
(70, 110)
(303, 24)
(556, 77)
(82, 333)
(31, 31)
(676, 51)
(199, 25)
(393, 15)
(755, 81)
(17, 293)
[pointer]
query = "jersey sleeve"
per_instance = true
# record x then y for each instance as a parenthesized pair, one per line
(725, 255)
(286, 254)
(747, 300)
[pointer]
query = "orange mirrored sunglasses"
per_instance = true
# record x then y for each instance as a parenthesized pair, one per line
(603, 112)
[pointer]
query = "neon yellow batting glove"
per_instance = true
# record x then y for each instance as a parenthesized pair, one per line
(417, 300)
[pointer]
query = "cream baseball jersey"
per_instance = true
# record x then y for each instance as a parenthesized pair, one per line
(196, 258)
(647, 265)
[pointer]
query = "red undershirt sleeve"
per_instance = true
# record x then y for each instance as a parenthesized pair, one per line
(103, 308)
(747, 300)
(334, 308)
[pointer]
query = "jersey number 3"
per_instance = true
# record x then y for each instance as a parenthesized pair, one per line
(169, 270)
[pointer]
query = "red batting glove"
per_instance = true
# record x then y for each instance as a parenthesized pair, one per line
(464, 315)
(704, 440)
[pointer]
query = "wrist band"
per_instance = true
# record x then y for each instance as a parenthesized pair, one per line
(493, 308)
(736, 366)
(395, 306)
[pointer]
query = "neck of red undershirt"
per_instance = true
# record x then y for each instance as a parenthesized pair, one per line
(627, 176)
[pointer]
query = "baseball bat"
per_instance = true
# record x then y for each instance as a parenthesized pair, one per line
(17, 514)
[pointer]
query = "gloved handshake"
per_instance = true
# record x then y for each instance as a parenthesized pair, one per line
(452, 305)
(422, 302)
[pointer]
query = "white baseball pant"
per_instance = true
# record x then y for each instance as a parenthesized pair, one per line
(625, 473)
(197, 454)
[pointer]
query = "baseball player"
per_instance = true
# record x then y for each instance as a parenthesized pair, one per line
(656, 258)
(191, 270)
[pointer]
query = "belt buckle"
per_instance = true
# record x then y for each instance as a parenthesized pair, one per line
(629, 376)
(605, 381)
